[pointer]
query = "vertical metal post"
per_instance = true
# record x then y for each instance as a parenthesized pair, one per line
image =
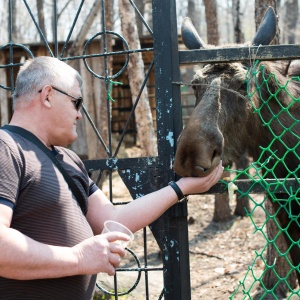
(171, 228)
(55, 42)
(11, 49)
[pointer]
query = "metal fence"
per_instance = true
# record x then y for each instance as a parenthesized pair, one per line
(143, 175)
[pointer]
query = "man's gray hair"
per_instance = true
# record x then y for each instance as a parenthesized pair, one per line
(40, 71)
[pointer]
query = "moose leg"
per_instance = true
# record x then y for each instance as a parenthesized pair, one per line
(242, 203)
(222, 212)
(274, 258)
(289, 219)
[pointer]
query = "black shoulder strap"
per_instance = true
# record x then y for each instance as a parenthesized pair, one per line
(72, 185)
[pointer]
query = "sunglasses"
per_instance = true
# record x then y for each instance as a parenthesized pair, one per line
(77, 101)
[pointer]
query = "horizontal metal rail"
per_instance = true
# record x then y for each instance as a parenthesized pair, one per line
(244, 185)
(258, 186)
(246, 53)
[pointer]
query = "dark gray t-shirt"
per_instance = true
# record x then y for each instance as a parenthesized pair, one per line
(45, 210)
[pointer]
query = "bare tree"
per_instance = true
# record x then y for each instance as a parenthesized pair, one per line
(211, 16)
(141, 7)
(236, 13)
(148, 16)
(136, 74)
(41, 16)
(59, 15)
(14, 18)
(193, 11)
(291, 17)
(145, 9)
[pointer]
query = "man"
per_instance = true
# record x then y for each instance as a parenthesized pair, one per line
(49, 248)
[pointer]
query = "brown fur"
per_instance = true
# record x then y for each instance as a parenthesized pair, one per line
(224, 126)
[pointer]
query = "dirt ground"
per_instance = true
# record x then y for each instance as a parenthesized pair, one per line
(220, 253)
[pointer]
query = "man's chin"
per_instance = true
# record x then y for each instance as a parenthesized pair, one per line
(69, 141)
(73, 139)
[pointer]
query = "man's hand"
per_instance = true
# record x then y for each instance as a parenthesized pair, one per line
(195, 185)
(101, 253)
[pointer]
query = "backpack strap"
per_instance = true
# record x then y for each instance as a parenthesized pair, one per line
(72, 185)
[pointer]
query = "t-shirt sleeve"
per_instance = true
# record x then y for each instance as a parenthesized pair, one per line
(10, 174)
(92, 187)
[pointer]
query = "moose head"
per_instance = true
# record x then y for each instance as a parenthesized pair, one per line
(222, 125)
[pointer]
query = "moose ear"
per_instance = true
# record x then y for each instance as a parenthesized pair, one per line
(190, 36)
(267, 28)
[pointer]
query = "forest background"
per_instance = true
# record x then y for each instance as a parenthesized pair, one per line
(218, 23)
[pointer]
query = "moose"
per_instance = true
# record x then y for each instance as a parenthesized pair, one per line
(223, 125)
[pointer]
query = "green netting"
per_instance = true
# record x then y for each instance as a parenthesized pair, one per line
(264, 279)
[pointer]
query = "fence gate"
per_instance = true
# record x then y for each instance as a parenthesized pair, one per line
(141, 175)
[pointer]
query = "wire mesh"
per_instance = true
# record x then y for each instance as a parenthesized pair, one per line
(280, 208)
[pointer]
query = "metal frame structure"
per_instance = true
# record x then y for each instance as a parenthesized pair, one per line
(171, 229)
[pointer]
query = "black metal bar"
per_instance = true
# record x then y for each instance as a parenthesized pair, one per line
(244, 185)
(107, 53)
(71, 29)
(107, 79)
(96, 130)
(55, 42)
(133, 108)
(114, 163)
(11, 46)
(38, 28)
(252, 53)
(258, 187)
(170, 230)
(141, 17)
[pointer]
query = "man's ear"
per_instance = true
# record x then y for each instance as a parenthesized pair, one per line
(45, 96)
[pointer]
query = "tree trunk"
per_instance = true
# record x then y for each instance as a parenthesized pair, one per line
(236, 13)
(211, 16)
(290, 20)
(14, 27)
(193, 12)
(140, 6)
(145, 9)
(41, 17)
(136, 75)
(148, 15)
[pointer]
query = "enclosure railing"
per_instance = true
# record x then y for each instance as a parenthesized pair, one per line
(170, 230)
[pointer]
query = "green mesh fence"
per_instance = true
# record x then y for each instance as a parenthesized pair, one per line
(272, 273)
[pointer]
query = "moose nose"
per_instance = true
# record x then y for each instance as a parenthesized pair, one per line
(199, 158)
(199, 171)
